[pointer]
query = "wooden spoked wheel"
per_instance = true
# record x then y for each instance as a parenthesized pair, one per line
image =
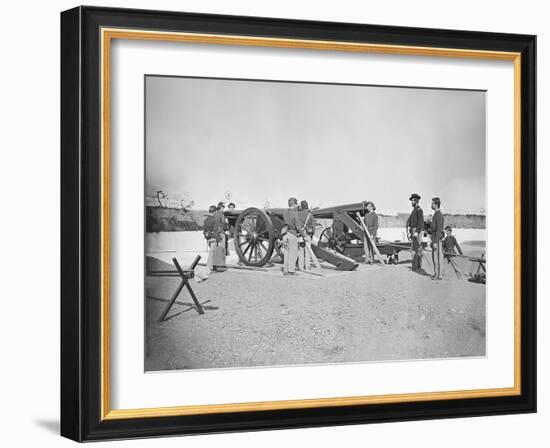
(328, 239)
(254, 237)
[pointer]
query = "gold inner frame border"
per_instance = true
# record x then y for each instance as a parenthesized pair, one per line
(107, 35)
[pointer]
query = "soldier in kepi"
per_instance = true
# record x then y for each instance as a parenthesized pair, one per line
(293, 227)
(436, 235)
(211, 234)
(415, 227)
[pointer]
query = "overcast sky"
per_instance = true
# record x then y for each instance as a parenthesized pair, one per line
(329, 144)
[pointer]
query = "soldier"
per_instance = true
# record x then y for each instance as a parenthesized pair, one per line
(308, 228)
(223, 224)
(228, 228)
(219, 214)
(436, 235)
(290, 238)
(371, 223)
(449, 244)
(415, 226)
(211, 234)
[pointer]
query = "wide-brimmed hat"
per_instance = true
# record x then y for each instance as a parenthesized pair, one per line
(414, 196)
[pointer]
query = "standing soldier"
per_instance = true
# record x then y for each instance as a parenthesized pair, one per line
(229, 228)
(436, 235)
(290, 238)
(308, 228)
(371, 223)
(219, 215)
(211, 234)
(415, 226)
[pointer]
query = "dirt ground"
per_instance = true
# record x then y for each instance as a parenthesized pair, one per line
(262, 318)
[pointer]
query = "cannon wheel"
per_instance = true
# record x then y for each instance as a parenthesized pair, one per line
(327, 239)
(254, 237)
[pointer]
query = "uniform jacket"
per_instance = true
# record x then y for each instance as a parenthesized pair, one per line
(416, 220)
(293, 221)
(371, 222)
(308, 225)
(211, 228)
(219, 217)
(449, 244)
(436, 227)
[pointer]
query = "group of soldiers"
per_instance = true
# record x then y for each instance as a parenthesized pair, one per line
(299, 229)
(443, 243)
(296, 236)
(217, 232)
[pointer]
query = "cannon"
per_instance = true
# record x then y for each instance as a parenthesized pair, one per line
(256, 233)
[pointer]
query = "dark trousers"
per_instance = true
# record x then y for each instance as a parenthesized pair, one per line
(417, 254)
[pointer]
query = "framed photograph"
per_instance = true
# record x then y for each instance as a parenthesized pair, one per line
(273, 223)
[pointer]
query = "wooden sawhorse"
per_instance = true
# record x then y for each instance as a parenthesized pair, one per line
(481, 272)
(185, 276)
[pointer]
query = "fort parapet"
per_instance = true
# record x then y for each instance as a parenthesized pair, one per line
(161, 219)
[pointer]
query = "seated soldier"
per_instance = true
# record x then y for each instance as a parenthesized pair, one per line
(449, 245)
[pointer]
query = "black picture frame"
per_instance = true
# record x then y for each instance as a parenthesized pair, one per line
(81, 224)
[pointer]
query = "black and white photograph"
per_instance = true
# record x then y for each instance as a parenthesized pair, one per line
(296, 223)
(283, 220)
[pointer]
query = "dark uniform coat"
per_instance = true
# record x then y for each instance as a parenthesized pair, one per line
(371, 222)
(415, 223)
(308, 223)
(436, 227)
(219, 217)
(449, 244)
(211, 228)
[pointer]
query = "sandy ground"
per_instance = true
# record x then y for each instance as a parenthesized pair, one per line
(262, 318)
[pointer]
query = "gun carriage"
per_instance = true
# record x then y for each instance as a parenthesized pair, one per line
(257, 232)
